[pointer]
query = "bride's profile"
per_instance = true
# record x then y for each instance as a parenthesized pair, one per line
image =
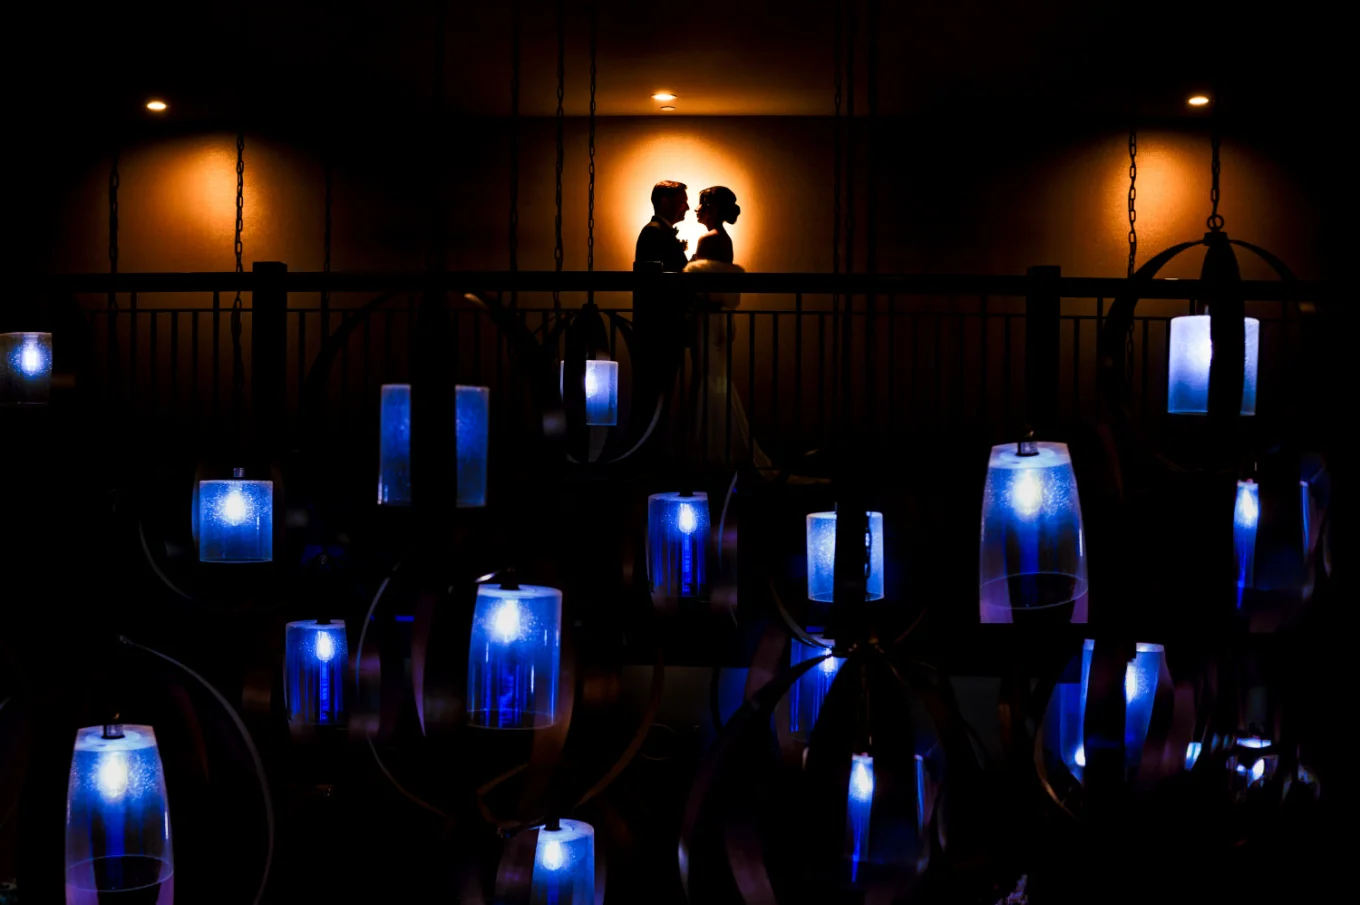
(709, 424)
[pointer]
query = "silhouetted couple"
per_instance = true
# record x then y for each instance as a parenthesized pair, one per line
(668, 324)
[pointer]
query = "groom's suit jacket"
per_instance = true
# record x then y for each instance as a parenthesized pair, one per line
(657, 242)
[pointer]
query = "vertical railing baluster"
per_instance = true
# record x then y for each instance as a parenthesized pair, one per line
(982, 362)
(387, 344)
(1143, 402)
(132, 350)
(217, 357)
(961, 323)
(751, 369)
(193, 366)
(939, 369)
(367, 389)
(153, 378)
(774, 383)
(821, 377)
(915, 362)
(727, 388)
(477, 348)
(301, 352)
(797, 369)
(1007, 379)
(1076, 368)
(891, 419)
(174, 363)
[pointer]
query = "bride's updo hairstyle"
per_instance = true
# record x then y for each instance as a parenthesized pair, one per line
(723, 200)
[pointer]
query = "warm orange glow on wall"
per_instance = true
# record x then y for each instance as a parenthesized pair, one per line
(157, 106)
(699, 164)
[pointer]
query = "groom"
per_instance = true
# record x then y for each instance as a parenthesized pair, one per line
(659, 314)
(657, 241)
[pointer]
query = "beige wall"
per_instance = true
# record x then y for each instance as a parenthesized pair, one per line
(947, 202)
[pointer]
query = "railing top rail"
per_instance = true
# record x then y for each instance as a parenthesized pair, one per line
(628, 281)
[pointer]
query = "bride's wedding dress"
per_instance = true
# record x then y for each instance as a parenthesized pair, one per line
(709, 428)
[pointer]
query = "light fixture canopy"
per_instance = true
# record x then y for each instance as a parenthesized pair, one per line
(663, 96)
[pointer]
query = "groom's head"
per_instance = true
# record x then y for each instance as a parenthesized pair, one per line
(670, 200)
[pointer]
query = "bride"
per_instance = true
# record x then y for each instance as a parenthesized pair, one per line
(709, 424)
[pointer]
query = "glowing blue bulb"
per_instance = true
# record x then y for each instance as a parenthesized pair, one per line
(1254, 742)
(1192, 752)
(686, 520)
(1027, 494)
(112, 776)
(552, 856)
(1258, 770)
(1247, 510)
(325, 647)
(1130, 684)
(235, 509)
(829, 664)
(30, 359)
(507, 624)
(861, 782)
(1080, 756)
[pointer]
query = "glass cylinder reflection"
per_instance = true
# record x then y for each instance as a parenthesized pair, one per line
(1188, 357)
(602, 391)
(859, 802)
(564, 865)
(808, 693)
(821, 556)
(472, 408)
(394, 445)
(1246, 514)
(513, 657)
(677, 544)
(118, 820)
(1140, 693)
(1033, 555)
(472, 412)
(235, 520)
(315, 658)
(25, 368)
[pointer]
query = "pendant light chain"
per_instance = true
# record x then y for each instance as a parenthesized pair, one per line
(1215, 221)
(114, 180)
(238, 363)
(850, 141)
(871, 201)
(1133, 197)
(1133, 244)
(514, 148)
(436, 261)
(590, 196)
(836, 141)
(561, 92)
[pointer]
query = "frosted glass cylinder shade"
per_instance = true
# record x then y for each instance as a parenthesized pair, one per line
(315, 658)
(808, 693)
(118, 821)
(1246, 515)
(1033, 554)
(602, 391)
(1188, 357)
(472, 412)
(1140, 693)
(513, 657)
(821, 556)
(564, 865)
(235, 520)
(677, 544)
(858, 807)
(25, 368)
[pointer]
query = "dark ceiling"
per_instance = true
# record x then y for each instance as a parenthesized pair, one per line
(369, 59)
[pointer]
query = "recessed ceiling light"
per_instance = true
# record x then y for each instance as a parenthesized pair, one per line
(1198, 100)
(157, 106)
(663, 96)
(667, 108)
